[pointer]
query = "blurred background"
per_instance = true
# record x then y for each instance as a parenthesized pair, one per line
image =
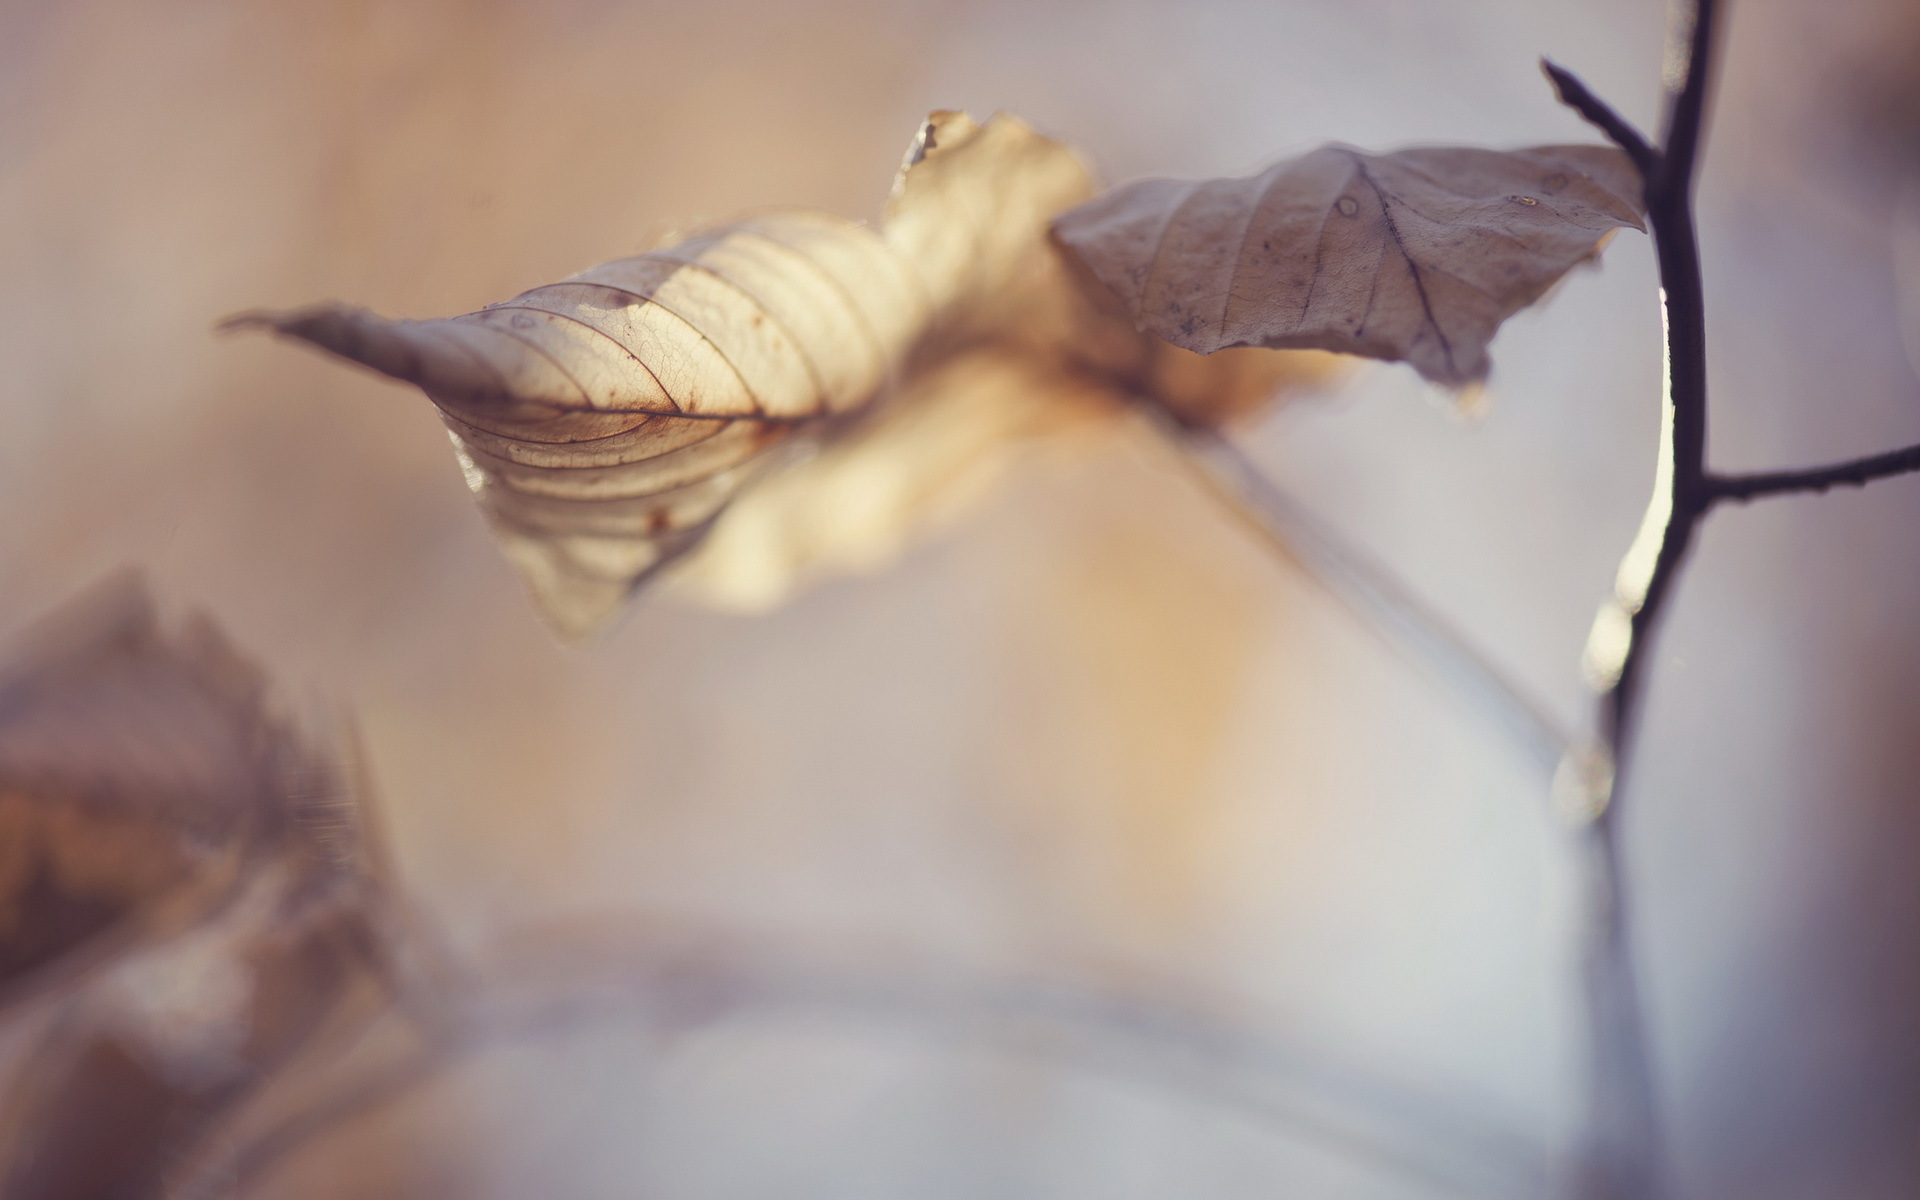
(1090, 741)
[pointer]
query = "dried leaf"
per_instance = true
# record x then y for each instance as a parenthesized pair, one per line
(857, 502)
(604, 421)
(1417, 255)
(147, 1060)
(973, 211)
(183, 876)
(136, 770)
(940, 446)
(1022, 353)
(970, 213)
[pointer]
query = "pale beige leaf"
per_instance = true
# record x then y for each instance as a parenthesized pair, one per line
(1416, 256)
(856, 503)
(1022, 355)
(608, 421)
(970, 214)
(604, 421)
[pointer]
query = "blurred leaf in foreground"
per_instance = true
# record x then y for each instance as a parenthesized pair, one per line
(186, 890)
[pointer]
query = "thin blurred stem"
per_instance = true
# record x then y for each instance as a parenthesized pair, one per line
(1365, 585)
(1159, 1044)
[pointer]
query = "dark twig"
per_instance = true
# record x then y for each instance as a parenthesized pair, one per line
(1623, 1153)
(1854, 473)
(1574, 95)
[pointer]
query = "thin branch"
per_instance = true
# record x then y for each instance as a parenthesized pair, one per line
(1854, 473)
(1365, 585)
(1623, 1154)
(1691, 65)
(1576, 95)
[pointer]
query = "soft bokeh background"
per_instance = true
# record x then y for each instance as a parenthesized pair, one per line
(1093, 732)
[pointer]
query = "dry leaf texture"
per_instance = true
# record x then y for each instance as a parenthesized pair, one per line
(1020, 351)
(1417, 255)
(605, 420)
(970, 213)
(863, 497)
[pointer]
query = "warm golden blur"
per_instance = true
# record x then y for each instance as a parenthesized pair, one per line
(1067, 844)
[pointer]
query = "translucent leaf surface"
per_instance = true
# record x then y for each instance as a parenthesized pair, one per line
(604, 421)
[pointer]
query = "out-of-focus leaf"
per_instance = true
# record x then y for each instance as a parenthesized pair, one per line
(853, 505)
(1417, 255)
(150, 1057)
(605, 420)
(186, 884)
(137, 771)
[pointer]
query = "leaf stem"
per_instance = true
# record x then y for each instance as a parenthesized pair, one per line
(1364, 584)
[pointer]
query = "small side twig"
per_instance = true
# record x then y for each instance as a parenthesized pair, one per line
(1623, 1151)
(1575, 95)
(1854, 473)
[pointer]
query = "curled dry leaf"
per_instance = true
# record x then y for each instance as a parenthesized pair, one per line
(604, 421)
(970, 213)
(954, 430)
(861, 498)
(607, 421)
(182, 878)
(1417, 255)
(1020, 352)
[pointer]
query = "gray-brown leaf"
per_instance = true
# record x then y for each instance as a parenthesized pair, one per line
(1417, 255)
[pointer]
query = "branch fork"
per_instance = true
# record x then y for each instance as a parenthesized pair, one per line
(1623, 1155)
